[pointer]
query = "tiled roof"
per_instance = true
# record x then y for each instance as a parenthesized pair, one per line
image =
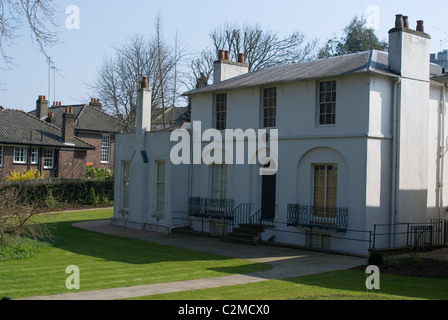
(20, 128)
(87, 118)
(170, 116)
(368, 61)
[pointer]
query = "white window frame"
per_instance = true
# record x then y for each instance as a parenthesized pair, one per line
(325, 186)
(20, 155)
(160, 186)
(221, 111)
(1, 156)
(34, 155)
(125, 185)
(325, 104)
(269, 98)
(218, 181)
(105, 149)
(48, 159)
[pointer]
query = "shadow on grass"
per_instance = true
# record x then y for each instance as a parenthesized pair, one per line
(134, 251)
(354, 281)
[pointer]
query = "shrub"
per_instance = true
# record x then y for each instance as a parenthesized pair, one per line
(13, 248)
(92, 172)
(48, 195)
(375, 259)
(92, 198)
(31, 174)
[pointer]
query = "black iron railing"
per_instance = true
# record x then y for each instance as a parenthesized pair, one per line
(419, 236)
(312, 216)
(238, 216)
(205, 207)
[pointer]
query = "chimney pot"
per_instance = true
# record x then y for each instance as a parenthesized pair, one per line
(398, 21)
(221, 55)
(227, 55)
(420, 26)
(406, 22)
(241, 58)
(145, 83)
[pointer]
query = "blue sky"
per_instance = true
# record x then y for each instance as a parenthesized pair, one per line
(104, 23)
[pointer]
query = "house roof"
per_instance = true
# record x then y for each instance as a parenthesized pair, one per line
(172, 114)
(87, 118)
(20, 128)
(367, 61)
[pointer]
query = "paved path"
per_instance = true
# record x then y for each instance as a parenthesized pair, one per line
(286, 263)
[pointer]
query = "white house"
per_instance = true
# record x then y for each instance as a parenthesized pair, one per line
(359, 162)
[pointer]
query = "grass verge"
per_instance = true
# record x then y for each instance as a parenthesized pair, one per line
(106, 261)
(335, 285)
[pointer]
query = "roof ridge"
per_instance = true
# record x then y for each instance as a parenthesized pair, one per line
(34, 117)
(46, 124)
(101, 111)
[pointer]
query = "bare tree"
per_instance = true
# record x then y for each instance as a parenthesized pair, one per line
(17, 212)
(262, 48)
(201, 69)
(120, 75)
(36, 15)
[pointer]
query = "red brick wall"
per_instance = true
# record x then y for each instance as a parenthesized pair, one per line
(9, 165)
(72, 164)
(94, 156)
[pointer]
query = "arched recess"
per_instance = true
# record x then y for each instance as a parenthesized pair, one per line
(305, 174)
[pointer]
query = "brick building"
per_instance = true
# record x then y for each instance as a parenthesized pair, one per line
(91, 124)
(27, 142)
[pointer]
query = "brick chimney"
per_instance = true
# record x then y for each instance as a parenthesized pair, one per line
(225, 69)
(50, 118)
(95, 102)
(68, 125)
(41, 107)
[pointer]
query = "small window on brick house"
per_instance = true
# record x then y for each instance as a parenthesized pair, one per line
(20, 155)
(105, 149)
(1, 156)
(34, 155)
(48, 159)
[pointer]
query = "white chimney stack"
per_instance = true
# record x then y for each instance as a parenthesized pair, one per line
(409, 50)
(225, 69)
(143, 112)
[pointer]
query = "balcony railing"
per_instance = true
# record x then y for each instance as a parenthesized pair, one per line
(311, 216)
(213, 208)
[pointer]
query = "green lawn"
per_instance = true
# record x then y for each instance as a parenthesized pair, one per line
(336, 285)
(107, 261)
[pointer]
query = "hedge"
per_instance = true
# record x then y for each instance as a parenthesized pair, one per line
(84, 192)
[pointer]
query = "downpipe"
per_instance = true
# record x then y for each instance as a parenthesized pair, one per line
(395, 163)
(442, 150)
